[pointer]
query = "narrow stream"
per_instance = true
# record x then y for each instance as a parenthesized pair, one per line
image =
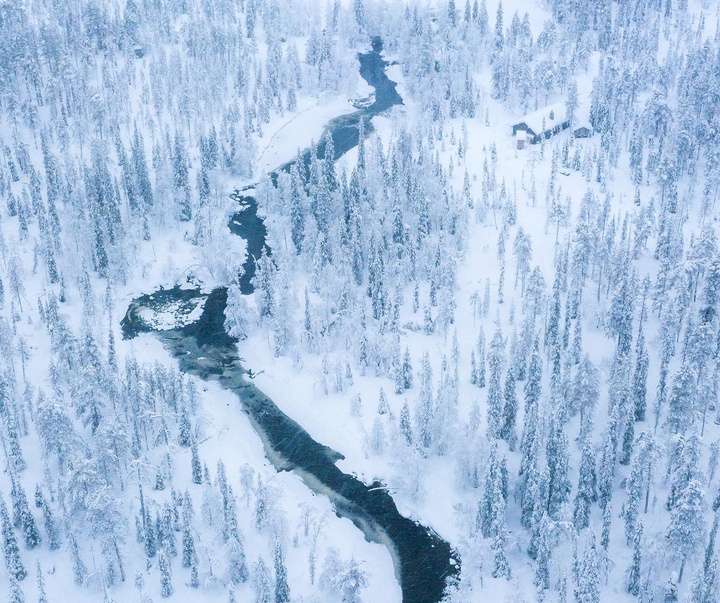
(423, 561)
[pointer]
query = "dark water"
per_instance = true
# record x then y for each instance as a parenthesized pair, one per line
(423, 561)
(345, 132)
(251, 227)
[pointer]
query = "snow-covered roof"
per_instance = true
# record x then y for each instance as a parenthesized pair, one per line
(582, 118)
(553, 115)
(582, 124)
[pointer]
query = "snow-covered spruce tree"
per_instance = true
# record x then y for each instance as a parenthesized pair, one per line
(639, 482)
(557, 454)
(16, 594)
(188, 546)
(237, 566)
(150, 537)
(486, 505)
(378, 439)
(42, 596)
(481, 358)
(586, 491)
(405, 424)
(534, 482)
(407, 370)
(640, 375)
(608, 464)
(261, 582)
(195, 463)
(282, 589)
(682, 403)
(705, 586)
(501, 565)
(11, 551)
(351, 581)
(181, 181)
(686, 532)
(543, 551)
(588, 582)
(533, 385)
(424, 408)
(79, 568)
(606, 526)
(496, 359)
(586, 391)
(22, 516)
(264, 282)
(684, 465)
(166, 587)
(230, 524)
(264, 502)
(185, 429)
(634, 575)
(509, 417)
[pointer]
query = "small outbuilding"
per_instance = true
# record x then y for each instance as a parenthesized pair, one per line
(521, 138)
(543, 123)
(583, 130)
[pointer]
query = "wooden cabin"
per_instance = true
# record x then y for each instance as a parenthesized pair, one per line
(543, 123)
(583, 130)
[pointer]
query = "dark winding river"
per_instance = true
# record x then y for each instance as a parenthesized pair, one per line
(423, 561)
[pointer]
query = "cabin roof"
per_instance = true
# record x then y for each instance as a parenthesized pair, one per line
(534, 120)
(583, 125)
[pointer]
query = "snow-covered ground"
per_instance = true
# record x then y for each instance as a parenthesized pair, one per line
(68, 355)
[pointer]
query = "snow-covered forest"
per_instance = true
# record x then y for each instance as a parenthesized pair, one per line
(516, 336)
